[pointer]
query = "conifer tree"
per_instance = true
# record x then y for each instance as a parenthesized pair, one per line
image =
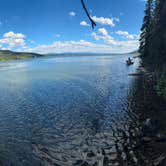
(158, 40)
(145, 30)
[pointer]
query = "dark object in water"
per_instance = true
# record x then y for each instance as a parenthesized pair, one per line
(129, 62)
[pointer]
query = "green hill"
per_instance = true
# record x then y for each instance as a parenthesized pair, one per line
(10, 55)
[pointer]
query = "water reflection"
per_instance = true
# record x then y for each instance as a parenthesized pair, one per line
(68, 111)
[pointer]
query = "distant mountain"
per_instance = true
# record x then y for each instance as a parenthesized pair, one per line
(81, 54)
(10, 55)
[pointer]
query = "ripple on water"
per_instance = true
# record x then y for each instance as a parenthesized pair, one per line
(76, 120)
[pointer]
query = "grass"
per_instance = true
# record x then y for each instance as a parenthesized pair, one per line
(6, 55)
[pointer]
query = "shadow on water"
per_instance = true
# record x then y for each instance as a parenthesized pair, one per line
(100, 137)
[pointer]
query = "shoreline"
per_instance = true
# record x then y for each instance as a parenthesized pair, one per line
(151, 116)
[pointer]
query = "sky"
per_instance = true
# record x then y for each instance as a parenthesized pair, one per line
(61, 26)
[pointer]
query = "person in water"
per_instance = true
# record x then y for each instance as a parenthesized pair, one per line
(129, 59)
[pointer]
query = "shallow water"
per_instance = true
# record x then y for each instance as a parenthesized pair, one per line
(64, 111)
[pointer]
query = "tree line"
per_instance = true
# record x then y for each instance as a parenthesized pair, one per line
(153, 42)
(153, 33)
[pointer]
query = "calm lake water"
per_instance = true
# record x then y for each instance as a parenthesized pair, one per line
(63, 111)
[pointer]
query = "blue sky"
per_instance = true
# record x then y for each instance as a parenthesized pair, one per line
(57, 26)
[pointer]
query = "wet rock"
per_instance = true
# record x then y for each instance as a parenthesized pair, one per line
(113, 157)
(146, 139)
(103, 152)
(160, 161)
(78, 162)
(160, 138)
(135, 159)
(90, 154)
(131, 152)
(123, 156)
(150, 127)
(81, 163)
(85, 164)
(116, 164)
(105, 161)
(55, 164)
(95, 164)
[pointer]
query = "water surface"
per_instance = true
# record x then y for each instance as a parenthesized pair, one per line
(63, 111)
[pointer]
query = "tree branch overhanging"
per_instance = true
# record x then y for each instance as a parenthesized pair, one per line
(87, 13)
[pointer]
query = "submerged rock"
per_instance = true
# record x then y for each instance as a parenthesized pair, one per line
(146, 139)
(90, 154)
(151, 127)
(160, 161)
(81, 163)
(105, 161)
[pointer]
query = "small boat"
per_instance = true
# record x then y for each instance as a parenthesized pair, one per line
(129, 62)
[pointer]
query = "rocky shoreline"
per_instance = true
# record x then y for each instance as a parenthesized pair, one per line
(152, 115)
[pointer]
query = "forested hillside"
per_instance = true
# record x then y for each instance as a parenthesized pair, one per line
(153, 41)
(6, 55)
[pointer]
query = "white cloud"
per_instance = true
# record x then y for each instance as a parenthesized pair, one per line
(126, 35)
(60, 47)
(102, 34)
(110, 45)
(103, 31)
(84, 23)
(104, 43)
(84, 46)
(105, 21)
(72, 13)
(118, 46)
(13, 35)
(13, 39)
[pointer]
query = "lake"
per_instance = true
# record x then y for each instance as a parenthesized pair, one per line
(64, 111)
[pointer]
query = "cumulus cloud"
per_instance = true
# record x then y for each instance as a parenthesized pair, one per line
(119, 46)
(72, 13)
(105, 21)
(126, 35)
(13, 39)
(69, 46)
(103, 43)
(13, 35)
(110, 45)
(103, 31)
(84, 46)
(84, 23)
(102, 34)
